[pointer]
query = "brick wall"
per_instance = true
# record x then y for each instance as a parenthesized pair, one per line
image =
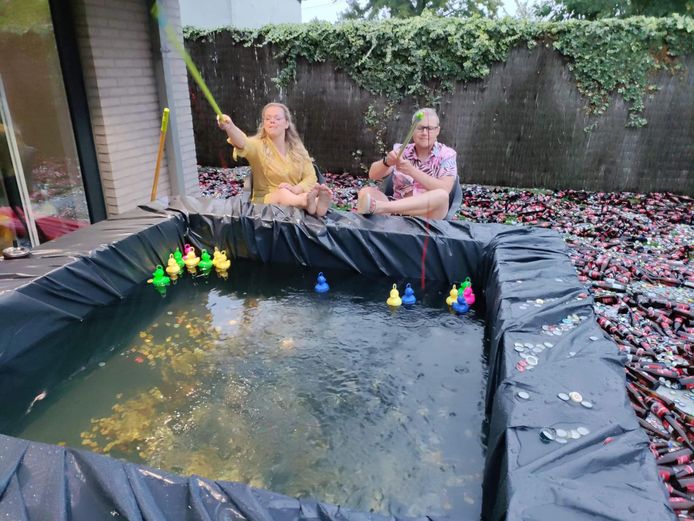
(125, 106)
(181, 103)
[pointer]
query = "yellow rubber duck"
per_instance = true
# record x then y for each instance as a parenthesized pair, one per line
(215, 255)
(394, 300)
(221, 263)
(452, 296)
(172, 269)
(190, 260)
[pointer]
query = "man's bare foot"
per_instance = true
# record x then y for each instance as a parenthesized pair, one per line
(312, 200)
(325, 196)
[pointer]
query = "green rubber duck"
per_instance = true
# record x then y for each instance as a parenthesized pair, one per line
(205, 261)
(179, 258)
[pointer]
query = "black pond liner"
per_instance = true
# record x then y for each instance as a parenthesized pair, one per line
(607, 474)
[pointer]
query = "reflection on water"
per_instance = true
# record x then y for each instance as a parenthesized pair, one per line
(337, 398)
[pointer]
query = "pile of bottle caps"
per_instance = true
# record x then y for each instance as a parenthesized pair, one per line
(633, 252)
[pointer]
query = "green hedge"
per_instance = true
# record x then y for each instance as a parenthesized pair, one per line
(425, 56)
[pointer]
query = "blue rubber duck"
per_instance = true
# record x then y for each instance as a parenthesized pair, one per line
(321, 284)
(408, 298)
(460, 306)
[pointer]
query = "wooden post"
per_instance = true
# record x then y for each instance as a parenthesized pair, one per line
(162, 140)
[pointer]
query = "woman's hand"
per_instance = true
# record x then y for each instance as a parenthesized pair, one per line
(224, 122)
(295, 189)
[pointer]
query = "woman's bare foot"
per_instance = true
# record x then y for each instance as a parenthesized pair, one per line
(312, 200)
(325, 196)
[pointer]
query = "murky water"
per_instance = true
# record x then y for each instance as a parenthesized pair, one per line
(259, 379)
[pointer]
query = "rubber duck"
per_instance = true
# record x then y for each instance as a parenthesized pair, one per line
(205, 263)
(466, 283)
(408, 298)
(191, 261)
(321, 284)
(221, 263)
(394, 300)
(172, 268)
(179, 258)
(215, 256)
(460, 306)
(159, 278)
(469, 296)
(452, 296)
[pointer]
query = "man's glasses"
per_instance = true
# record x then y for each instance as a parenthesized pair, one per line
(425, 129)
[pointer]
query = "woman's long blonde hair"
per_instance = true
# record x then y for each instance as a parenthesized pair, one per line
(295, 148)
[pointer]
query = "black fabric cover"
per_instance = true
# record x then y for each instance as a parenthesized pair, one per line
(66, 280)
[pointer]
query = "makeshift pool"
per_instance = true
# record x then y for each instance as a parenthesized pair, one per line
(258, 379)
(524, 281)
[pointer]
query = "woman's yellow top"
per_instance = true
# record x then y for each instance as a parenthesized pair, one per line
(269, 168)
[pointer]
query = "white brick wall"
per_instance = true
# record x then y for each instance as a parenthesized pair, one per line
(181, 102)
(125, 108)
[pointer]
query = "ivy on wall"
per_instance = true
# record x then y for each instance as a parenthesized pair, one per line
(425, 56)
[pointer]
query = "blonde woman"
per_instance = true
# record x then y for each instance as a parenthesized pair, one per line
(281, 167)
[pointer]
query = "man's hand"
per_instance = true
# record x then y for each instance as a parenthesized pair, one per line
(392, 158)
(406, 167)
(224, 122)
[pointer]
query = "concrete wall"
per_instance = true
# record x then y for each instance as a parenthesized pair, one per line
(211, 14)
(125, 101)
(521, 126)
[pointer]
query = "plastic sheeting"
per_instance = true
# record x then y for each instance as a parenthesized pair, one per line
(607, 474)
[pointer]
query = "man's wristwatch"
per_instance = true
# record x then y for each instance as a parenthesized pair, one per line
(386, 162)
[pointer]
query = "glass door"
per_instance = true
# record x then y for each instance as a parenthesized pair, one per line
(42, 195)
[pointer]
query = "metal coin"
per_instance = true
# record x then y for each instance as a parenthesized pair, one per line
(532, 360)
(537, 350)
(528, 345)
(573, 434)
(523, 355)
(520, 349)
(563, 396)
(561, 441)
(557, 333)
(561, 433)
(549, 344)
(523, 395)
(547, 434)
(575, 396)
(517, 344)
(539, 301)
(594, 338)
(583, 431)
(587, 404)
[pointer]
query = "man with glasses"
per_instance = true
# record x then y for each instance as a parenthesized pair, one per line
(423, 177)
